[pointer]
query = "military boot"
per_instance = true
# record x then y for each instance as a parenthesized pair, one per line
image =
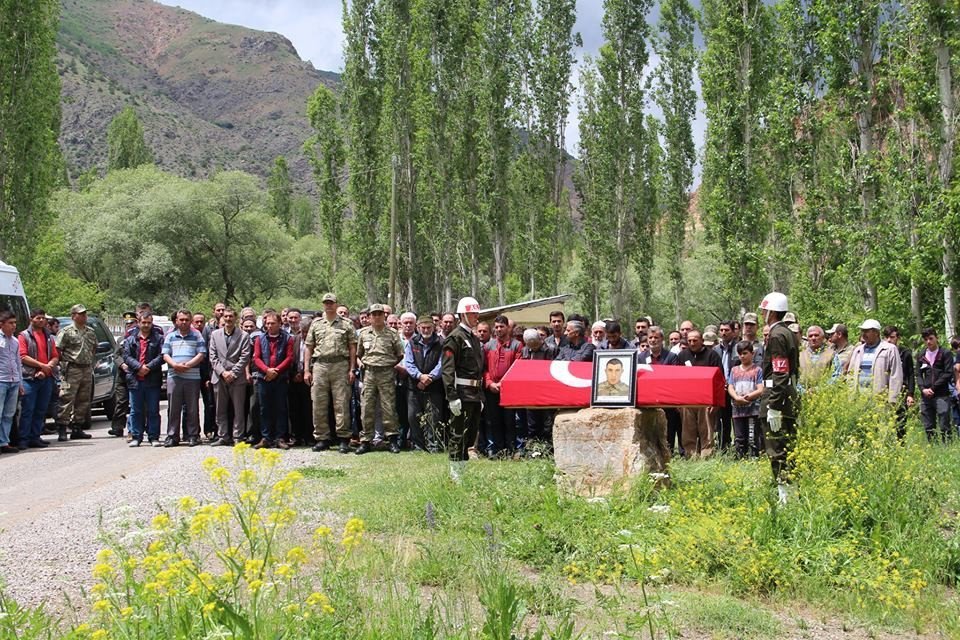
(116, 429)
(61, 433)
(78, 433)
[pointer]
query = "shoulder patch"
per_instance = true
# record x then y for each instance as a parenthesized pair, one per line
(780, 364)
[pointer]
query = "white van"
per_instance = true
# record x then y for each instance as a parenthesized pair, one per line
(12, 296)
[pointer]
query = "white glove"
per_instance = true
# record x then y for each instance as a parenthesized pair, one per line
(456, 407)
(775, 420)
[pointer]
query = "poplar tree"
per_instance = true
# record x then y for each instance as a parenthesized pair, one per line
(615, 177)
(280, 189)
(29, 121)
(126, 146)
(677, 100)
(326, 153)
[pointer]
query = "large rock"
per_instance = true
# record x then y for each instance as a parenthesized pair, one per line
(597, 450)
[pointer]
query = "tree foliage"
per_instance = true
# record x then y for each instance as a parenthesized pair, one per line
(126, 146)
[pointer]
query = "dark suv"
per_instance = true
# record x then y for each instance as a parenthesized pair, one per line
(105, 367)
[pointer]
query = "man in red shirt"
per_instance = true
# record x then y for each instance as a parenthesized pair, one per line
(500, 354)
(39, 358)
(272, 361)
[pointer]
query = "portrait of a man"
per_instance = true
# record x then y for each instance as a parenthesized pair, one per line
(613, 385)
(614, 378)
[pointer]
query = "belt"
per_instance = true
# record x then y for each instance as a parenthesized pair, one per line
(330, 359)
(378, 367)
(77, 364)
(466, 382)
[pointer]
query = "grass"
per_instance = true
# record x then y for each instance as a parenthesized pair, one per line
(871, 540)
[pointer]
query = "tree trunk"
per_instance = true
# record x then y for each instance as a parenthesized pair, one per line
(945, 162)
(868, 194)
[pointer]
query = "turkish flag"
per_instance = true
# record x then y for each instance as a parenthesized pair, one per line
(561, 384)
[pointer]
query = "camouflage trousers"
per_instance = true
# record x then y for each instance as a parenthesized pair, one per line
(331, 379)
(379, 388)
(76, 393)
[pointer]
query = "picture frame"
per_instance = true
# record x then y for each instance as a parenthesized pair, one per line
(614, 381)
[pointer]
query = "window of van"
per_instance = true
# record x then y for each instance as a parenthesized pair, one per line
(19, 308)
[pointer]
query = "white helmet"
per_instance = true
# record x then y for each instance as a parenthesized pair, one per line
(774, 301)
(468, 305)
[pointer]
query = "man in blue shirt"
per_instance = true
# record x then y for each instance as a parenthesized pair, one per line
(183, 351)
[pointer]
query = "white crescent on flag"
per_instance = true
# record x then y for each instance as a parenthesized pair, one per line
(560, 370)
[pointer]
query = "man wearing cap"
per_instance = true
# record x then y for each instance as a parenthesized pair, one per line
(379, 349)
(875, 365)
(462, 369)
(121, 394)
(421, 359)
(838, 336)
(329, 363)
(779, 402)
(78, 346)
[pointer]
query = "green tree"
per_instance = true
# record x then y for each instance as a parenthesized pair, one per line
(615, 178)
(127, 147)
(677, 100)
(733, 77)
(30, 161)
(280, 189)
(326, 154)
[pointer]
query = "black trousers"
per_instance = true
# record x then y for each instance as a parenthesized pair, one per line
(424, 409)
(301, 412)
(501, 426)
(674, 427)
(463, 431)
(209, 409)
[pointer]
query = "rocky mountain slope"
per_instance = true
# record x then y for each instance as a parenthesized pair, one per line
(210, 96)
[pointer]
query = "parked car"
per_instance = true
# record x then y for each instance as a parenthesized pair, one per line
(105, 367)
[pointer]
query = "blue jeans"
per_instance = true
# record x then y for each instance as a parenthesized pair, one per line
(273, 409)
(144, 412)
(33, 409)
(9, 394)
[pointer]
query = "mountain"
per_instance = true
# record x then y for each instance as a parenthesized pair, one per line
(209, 95)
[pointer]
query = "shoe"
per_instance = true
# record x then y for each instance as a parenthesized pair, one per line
(23, 446)
(193, 442)
(263, 444)
(61, 434)
(80, 435)
(222, 442)
(156, 443)
(354, 442)
(38, 444)
(323, 445)
(344, 447)
(134, 443)
(251, 440)
(170, 442)
(115, 432)
(394, 446)
(282, 444)
(9, 449)
(365, 447)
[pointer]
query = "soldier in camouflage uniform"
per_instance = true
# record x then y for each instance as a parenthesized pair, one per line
(380, 349)
(78, 347)
(121, 394)
(329, 361)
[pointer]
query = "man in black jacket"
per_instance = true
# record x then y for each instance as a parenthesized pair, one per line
(892, 335)
(698, 422)
(934, 375)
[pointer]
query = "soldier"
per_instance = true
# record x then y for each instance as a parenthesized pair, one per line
(778, 404)
(380, 349)
(462, 369)
(78, 346)
(329, 363)
(121, 395)
(613, 386)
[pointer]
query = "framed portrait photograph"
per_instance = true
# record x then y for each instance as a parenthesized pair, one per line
(614, 378)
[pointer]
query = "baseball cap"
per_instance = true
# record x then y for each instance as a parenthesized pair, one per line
(377, 308)
(78, 308)
(749, 318)
(709, 338)
(789, 317)
(832, 330)
(330, 297)
(425, 319)
(870, 323)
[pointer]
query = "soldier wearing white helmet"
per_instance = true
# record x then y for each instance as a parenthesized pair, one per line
(778, 404)
(462, 370)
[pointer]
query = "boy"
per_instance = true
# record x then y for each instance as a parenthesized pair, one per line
(745, 386)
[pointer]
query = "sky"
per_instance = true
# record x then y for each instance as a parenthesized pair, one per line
(313, 26)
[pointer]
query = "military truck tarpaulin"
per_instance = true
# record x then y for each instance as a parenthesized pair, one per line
(560, 384)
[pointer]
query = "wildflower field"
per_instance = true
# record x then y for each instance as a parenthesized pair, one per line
(385, 546)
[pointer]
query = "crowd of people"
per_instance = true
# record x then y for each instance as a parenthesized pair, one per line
(359, 382)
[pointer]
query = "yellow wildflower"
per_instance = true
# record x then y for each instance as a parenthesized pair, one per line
(320, 601)
(247, 477)
(283, 570)
(252, 569)
(105, 555)
(187, 503)
(161, 521)
(209, 607)
(220, 475)
(321, 533)
(98, 589)
(126, 612)
(101, 605)
(210, 463)
(297, 555)
(99, 634)
(102, 571)
(156, 545)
